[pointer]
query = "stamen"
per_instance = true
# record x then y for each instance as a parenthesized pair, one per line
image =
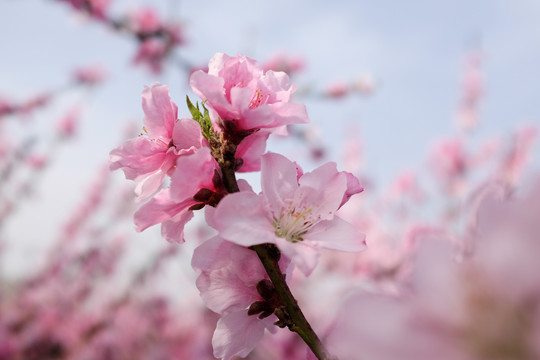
(257, 99)
(293, 225)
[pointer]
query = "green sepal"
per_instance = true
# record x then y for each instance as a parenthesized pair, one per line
(204, 120)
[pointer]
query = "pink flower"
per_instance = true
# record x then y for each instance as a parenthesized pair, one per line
(37, 161)
(285, 63)
(228, 282)
(94, 8)
(472, 92)
(68, 123)
(450, 162)
(295, 213)
(89, 75)
(156, 38)
(151, 52)
(148, 159)
(337, 90)
(145, 20)
(238, 90)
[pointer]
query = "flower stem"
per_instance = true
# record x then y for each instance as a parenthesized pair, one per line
(300, 325)
(266, 253)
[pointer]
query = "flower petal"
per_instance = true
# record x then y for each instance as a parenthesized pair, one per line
(187, 134)
(242, 219)
(211, 88)
(303, 254)
(193, 172)
(161, 112)
(159, 209)
(279, 181)
(237, 334)
(250, 151)
(138, 157)
(337, 234)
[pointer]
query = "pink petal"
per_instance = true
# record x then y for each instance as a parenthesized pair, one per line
(278, 180)
(242, 219)
(303, 254)
(237, 334)
(187, 134)
(193, 172)
(227, 282)
(216, 63)
(161, 112)
(289, 113)
(353, 187)
(337, 234)
(159, 209)
(137, 157)
(250, 151)
(149, 185)
(259, 117)
(211, 88)
(323, 190)
(277, 83)
(173, 230)
(206, 253)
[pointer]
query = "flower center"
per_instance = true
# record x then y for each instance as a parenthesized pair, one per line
(257, 99)
(293, 225)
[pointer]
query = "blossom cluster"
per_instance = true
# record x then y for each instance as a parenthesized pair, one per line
(479, 304)
(295, 214)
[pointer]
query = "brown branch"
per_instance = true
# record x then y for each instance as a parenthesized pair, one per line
(269, 256)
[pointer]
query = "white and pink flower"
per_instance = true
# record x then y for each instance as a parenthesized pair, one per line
(295, 212)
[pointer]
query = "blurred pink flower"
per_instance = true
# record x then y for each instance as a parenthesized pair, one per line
(337, 90)
(518, 154)
(145, 20)
(68, 123)
(486, 306)
(472, 92)
(284, 62)
(37, 161)
(450, 162)
(6, 106)
(152, 52)
(94, 8)
(89, 75)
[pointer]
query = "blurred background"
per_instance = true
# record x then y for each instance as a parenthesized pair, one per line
(383, 84)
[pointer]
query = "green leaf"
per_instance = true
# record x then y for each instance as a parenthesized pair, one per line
(204, 120)
(195, 112)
